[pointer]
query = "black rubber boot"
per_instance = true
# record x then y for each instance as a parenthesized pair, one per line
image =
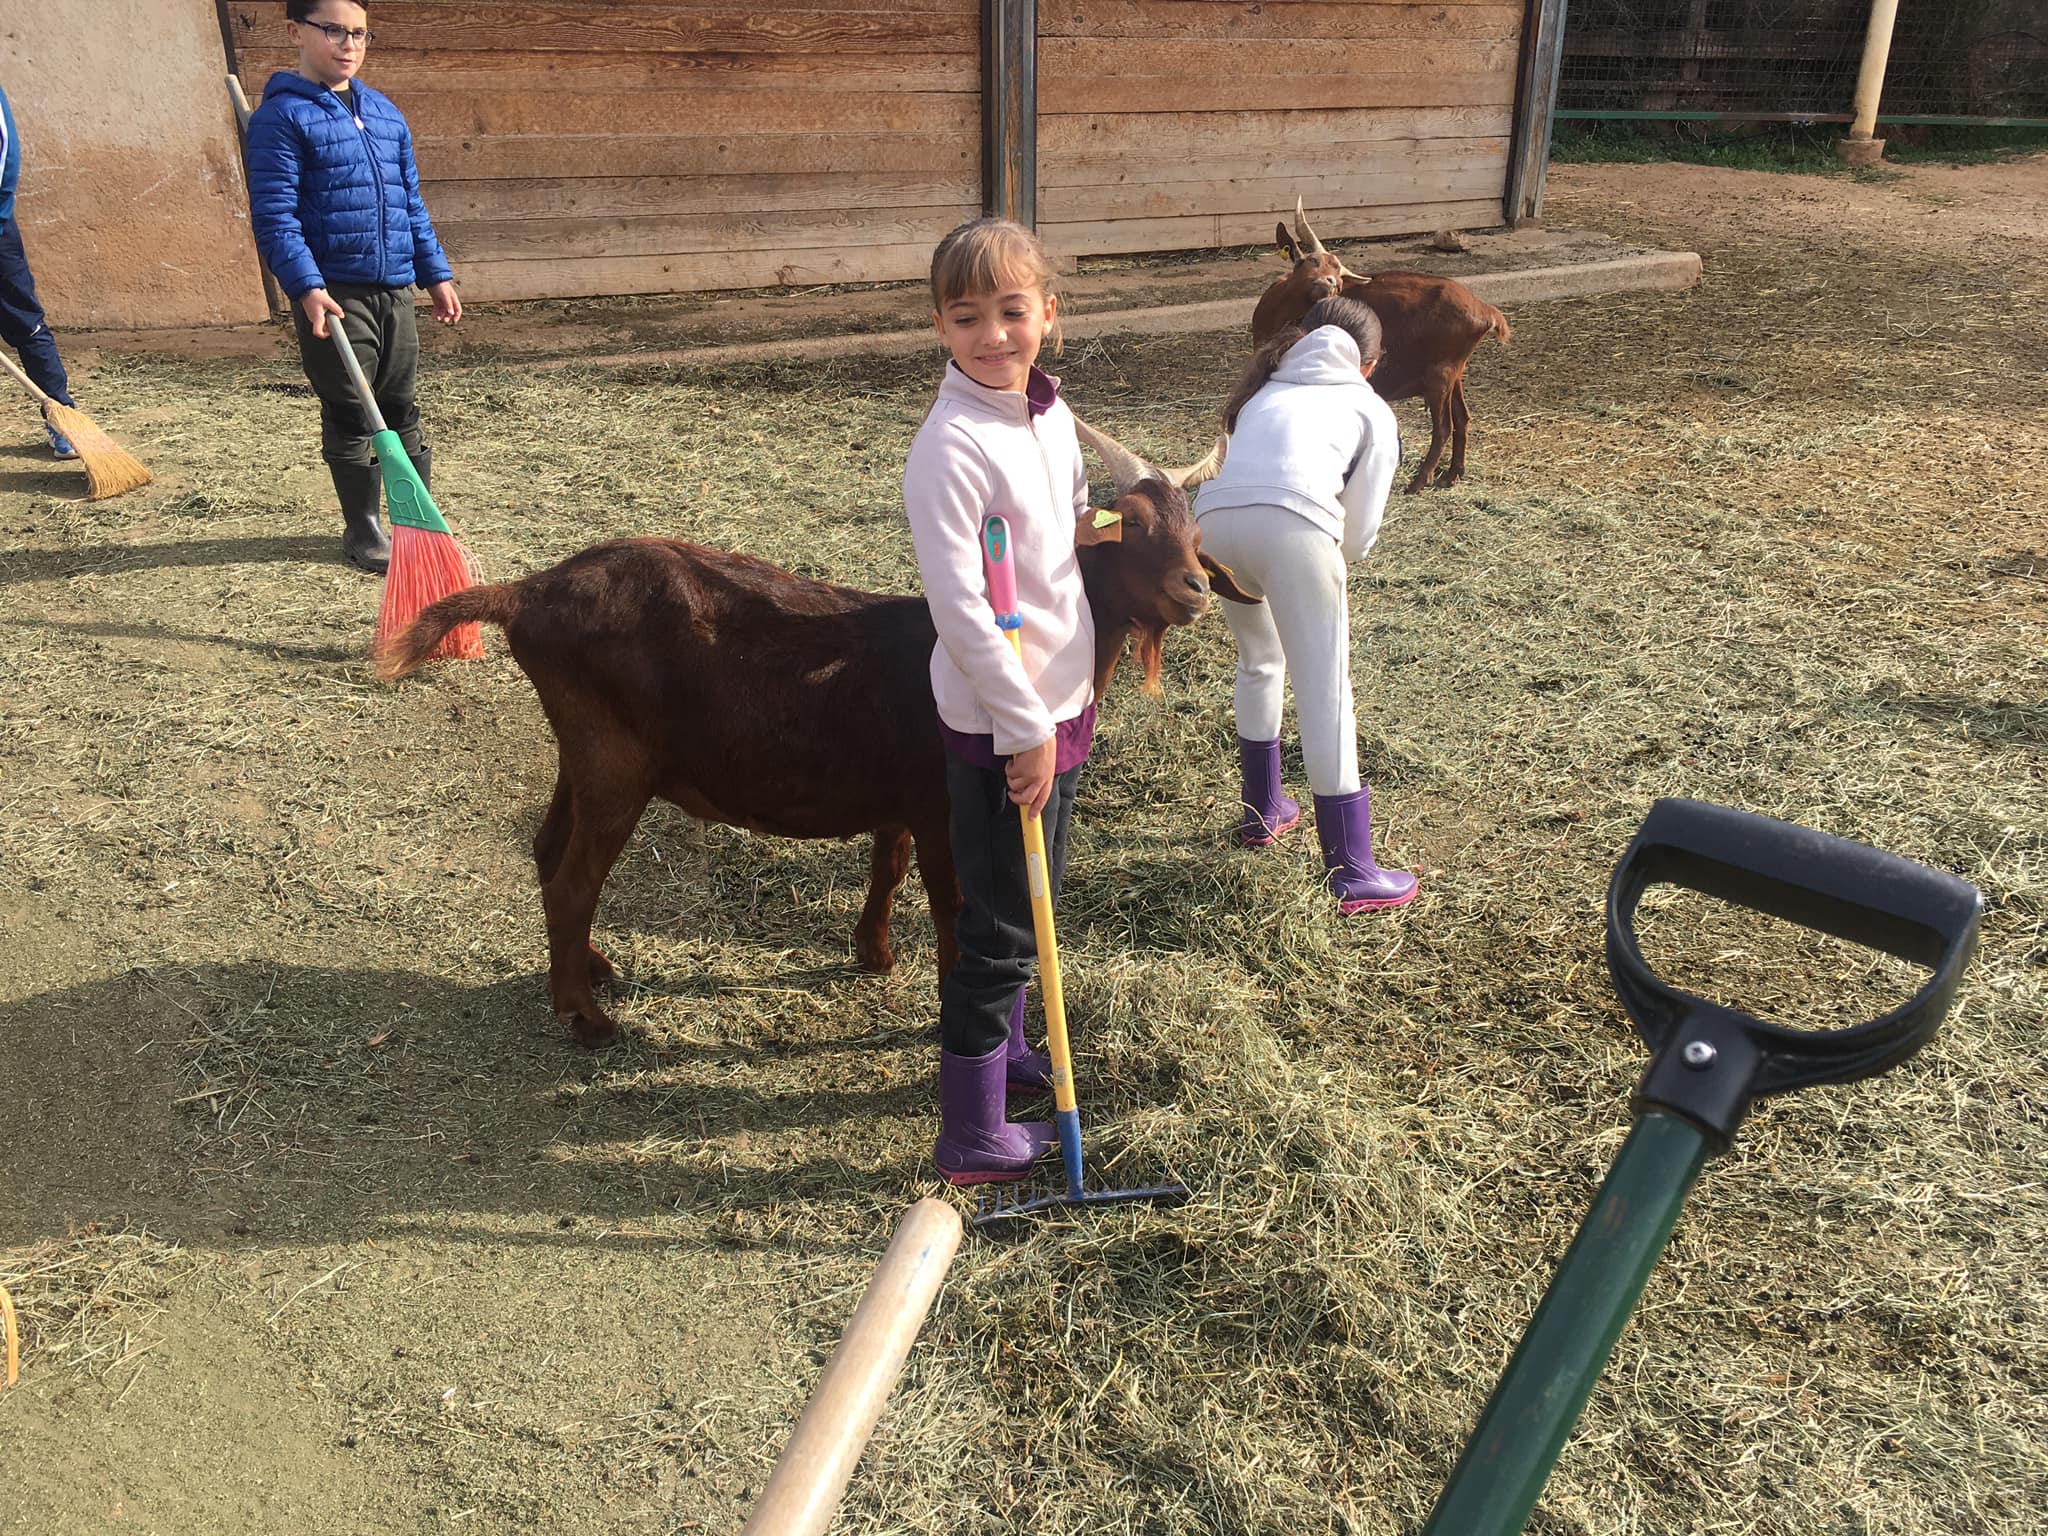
(361, 489)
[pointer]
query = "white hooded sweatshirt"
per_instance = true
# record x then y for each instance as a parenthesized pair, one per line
(1318, 441)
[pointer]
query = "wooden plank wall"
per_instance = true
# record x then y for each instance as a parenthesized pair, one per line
(1175, 124)
(574, 149)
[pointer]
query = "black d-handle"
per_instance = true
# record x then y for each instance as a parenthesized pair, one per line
(1709, 1061)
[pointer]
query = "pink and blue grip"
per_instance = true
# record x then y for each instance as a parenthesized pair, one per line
(1002, 572)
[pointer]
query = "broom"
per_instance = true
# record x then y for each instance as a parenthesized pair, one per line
(427, 564)
(110, 469)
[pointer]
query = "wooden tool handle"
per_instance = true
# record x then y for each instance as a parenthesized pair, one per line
(804, 1491)
(27, 383)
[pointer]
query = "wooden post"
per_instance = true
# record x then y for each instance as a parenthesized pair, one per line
(1009, 110)
(280, 306)
(1535, 111)
(1860, 148)
(810, 1476)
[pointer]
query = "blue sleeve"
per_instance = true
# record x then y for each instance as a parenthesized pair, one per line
(430, 262)
(274, 172)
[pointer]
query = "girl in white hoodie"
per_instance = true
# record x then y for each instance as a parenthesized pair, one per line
(999, 440)
(1304, 482)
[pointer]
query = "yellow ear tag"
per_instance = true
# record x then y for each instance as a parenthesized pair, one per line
(1099, 527)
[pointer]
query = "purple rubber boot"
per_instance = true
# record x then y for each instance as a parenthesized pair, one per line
(976, 1144)
(1026, 1070)
(1344, 826)
(1267, 812)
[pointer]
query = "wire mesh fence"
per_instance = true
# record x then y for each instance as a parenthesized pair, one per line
(1797, 59)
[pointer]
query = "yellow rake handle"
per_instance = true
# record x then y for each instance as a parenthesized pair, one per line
(1038, 873)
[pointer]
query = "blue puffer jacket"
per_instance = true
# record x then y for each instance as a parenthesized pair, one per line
(335, 198)
(10, 159)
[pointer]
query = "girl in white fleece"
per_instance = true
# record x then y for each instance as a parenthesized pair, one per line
(1311, 458)
(999, 440)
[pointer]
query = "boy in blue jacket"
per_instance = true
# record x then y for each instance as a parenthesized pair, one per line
(21, 315)
(335, 197)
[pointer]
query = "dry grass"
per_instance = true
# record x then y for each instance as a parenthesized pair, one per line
(85, 1303)
(1755, 544)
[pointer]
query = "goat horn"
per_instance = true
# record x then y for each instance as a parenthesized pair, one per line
(1189, 476)
(1125, 467)
(1303, 233)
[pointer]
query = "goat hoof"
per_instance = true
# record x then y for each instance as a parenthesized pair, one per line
(874, 956)
(589, 1029)
(602, 970)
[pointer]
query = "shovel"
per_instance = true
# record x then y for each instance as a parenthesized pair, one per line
(1707, 1064)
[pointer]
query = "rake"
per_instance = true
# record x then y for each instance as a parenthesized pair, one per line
(1003, 1203)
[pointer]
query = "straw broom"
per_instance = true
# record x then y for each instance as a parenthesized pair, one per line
(110, 469)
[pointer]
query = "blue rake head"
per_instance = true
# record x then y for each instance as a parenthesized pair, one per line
(1003, 1202)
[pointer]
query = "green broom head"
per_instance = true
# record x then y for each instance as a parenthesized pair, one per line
(405, 494)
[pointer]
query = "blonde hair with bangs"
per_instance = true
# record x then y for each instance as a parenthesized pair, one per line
(988, 255)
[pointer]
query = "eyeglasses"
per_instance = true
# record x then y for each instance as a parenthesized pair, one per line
(362, 37)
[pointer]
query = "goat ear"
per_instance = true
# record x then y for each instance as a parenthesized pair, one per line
(1285, 241)
(1099, 528)
(1223, 582)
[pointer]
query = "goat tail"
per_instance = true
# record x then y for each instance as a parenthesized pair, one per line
(1497, 325)
(414, 646)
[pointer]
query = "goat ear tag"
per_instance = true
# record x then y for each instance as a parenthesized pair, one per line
(1100, 527)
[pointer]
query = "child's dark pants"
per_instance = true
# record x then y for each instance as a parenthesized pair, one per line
(381, 326)
(998, 946)
(21, 318)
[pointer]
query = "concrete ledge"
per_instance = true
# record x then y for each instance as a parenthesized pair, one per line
(1645, 272)
(1650, 272)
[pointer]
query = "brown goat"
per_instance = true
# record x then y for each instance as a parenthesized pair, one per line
(1429, 326)
(759, 699)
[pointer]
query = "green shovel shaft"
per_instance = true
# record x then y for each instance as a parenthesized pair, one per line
(1539, 1397)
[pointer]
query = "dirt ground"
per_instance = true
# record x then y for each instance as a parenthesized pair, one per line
(317, 1221)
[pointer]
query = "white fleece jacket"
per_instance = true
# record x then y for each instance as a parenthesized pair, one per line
(1317, 441)
(980, 451)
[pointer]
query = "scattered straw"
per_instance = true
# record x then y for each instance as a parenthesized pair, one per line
(85, 1302)
(1773, 542)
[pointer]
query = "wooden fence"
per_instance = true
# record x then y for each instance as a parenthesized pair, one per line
(1168, 124)
(572, 149)
(649, 148)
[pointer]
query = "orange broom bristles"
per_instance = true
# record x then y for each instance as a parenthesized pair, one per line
(426, 566)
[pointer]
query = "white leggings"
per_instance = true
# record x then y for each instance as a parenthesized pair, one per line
(1302, 630)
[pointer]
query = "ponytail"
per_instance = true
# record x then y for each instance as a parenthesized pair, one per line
(1347, 315)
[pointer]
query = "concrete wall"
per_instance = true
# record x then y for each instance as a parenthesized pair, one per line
(132, 201)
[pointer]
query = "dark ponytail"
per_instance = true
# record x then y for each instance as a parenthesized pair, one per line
(1347, 315)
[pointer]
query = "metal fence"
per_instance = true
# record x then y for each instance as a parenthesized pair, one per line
(1796, 60)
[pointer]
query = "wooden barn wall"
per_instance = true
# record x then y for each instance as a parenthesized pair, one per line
(1173, 124)
(576, 149)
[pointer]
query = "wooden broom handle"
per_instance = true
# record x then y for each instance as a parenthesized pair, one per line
(810, 1476)
(27, 383)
